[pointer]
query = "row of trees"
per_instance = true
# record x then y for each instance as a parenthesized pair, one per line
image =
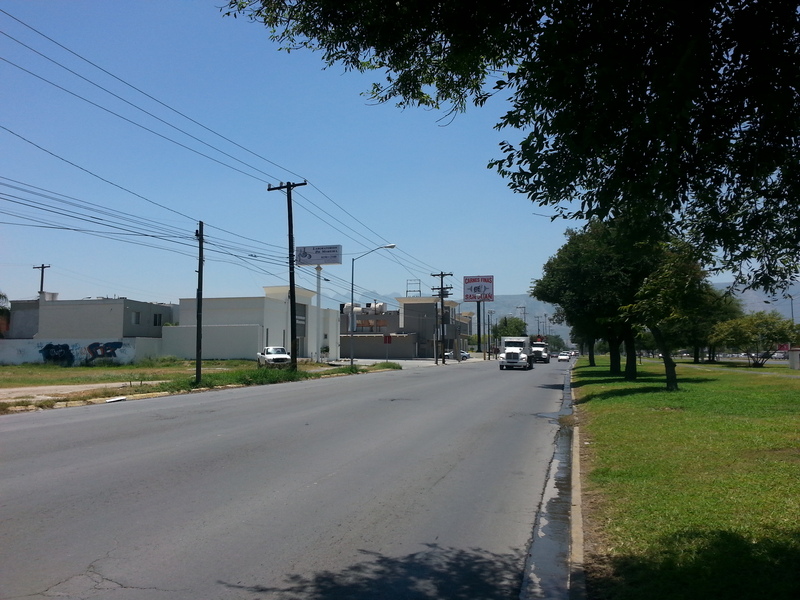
(615, 280)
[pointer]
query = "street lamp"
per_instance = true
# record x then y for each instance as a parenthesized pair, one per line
(352, 324)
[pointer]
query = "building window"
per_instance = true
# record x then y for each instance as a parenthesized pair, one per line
(136, 318)
(157, 319)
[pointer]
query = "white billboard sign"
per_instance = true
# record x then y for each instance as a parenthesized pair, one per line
(318, 255)
(479, 288)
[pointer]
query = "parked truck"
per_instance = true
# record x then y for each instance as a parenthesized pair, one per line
(273, 355)
(540, 351)
(515, 352)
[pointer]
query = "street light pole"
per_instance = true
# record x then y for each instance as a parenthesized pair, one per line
(351, 326)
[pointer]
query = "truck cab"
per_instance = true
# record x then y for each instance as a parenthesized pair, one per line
(515, 353)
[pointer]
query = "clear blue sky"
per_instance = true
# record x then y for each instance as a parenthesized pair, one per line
(113, 206)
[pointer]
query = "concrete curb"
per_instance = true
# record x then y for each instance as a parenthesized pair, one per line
(577, 576)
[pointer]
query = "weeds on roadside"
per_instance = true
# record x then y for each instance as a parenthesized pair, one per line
(216, 374)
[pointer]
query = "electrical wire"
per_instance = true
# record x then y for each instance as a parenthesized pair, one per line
(413, 269)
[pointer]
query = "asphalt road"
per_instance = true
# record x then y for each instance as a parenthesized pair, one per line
(422, 483)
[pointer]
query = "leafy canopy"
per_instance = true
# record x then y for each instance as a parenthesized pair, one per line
(684, 112)
(509, 326)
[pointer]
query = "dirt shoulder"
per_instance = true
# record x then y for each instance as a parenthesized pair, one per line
(51, 392)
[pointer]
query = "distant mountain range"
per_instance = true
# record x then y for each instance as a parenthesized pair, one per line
(756, 301)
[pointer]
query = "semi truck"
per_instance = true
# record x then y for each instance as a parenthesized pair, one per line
(541, 351)
(515, 353)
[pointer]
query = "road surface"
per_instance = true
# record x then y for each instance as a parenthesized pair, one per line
(421, 483)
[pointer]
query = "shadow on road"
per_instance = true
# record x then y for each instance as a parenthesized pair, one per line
(436, 573)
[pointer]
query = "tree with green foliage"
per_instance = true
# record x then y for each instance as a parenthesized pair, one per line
(509, 327)
(592, 275)
(671, 295)
(708, 307)
(556, 343)
(686, 114)
(757, 334)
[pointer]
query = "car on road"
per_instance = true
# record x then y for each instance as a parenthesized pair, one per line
(449, 354)
(564, 356)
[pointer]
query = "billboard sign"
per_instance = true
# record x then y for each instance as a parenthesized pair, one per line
(318, 255)
(479, 288)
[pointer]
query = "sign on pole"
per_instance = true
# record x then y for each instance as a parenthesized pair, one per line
(479, 288)
(318, 255)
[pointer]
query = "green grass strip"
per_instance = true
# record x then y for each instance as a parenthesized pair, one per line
(698, 491)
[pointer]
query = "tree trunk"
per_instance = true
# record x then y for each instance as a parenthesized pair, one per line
(630, 355)
(591, 342)
(614, 355)
(669, 364)
(697, 355)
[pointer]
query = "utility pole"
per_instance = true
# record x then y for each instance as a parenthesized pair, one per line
(444, 292)
(489, 340)
(524, 317)
(198, 368)
(42, 267)
(288, 186)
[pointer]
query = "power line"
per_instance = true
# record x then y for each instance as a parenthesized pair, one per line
(232, 250)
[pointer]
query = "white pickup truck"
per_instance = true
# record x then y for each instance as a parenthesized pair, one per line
(273, 355)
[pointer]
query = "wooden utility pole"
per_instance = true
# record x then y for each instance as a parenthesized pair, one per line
(444, 292)
(199, 343)
(42, 267)
(288, 186)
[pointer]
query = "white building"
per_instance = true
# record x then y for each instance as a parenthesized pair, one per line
(240, 327)
(123, 330)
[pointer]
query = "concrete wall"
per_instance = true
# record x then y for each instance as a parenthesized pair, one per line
(77, 352)
(268, 315)
(24, 321)
(103, 317)
(147, 326)
(81, 319)
(372, 346)
(220, 342)
(420, 316)
(233, 328)
(223, 311)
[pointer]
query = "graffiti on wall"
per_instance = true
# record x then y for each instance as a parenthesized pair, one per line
(68, 355)
(104, 350)
(60, 354)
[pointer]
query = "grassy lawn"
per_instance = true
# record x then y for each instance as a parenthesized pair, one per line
(693, 494)
(172, 375)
